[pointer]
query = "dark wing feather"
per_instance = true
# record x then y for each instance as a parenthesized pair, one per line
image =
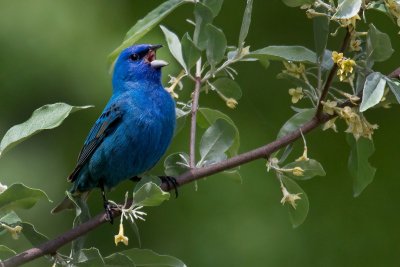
(103, 126)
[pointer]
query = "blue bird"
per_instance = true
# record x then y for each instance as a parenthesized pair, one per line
(133, 131)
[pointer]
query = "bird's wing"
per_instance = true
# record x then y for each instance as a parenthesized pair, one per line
(107, 122)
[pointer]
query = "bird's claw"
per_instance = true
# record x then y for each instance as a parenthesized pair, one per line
(171, 183)
(109, 214)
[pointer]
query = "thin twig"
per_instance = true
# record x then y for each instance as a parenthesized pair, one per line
(331, 75)
(195, 107)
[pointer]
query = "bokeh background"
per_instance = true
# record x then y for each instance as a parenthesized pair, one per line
(55, 51)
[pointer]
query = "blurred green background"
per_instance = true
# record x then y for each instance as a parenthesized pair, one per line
(55, 51)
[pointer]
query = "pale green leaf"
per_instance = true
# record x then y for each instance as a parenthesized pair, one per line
(296, 3)
(347, 9)
(214, 6)
(233, 174)
(150, 194)
(288, 53)
(244, 29)
(10, 218)
(43, 118)
(176, 164)
(146, 179)
(32, 235)
(90, 258)
(216, 45)
(228, 88)
(216, 140)
(180, 119)
(148, 258)
(203, 16)
(118, 259)
(19, 196)
(174, 45)
(360, 168)
(299, 214)
(6, 252)
(295, 122)
(373, 91)
(395, 88)
(190, 52)
(310, 167)
(144, 25)
(207, 116)
(379, 47)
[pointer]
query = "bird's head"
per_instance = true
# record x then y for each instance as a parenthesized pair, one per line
(137, 63)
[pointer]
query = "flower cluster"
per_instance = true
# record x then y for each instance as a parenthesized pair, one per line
(289, 197)
(394, 8)
(346, 65)
(294, 69)
(296, 93)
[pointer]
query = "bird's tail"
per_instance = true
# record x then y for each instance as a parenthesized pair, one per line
(68, 204)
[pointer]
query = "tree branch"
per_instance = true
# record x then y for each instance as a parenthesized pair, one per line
(332, 74)
(195, 106)
(51, 246)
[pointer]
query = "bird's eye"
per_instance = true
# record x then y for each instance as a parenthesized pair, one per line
(134, 57)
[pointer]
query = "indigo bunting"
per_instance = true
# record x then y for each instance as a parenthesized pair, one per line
(134, 129)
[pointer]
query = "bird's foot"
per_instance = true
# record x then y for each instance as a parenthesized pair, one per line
(171, 183)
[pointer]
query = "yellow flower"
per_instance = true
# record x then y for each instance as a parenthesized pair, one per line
(121, 237)
(337, 57)
(329, 107)
(350, 22)
(289, 198)
(14, 231)
(355, 44)
(231, 103)
(303, 157)
(294, 70)
(296, 93)
(330, 125)
(297, 171)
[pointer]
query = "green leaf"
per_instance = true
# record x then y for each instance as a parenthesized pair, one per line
(150, 194)
(146, 179)
(6, 252)
(19, 196)
(233, 174)
(216, 45)
(299, 214)
(395, 88)
(321, 32)
(327, 62)
(90, 258)
(244, 29)
(295, 122)
(118, 259)
(32, 235)
(311, 168)
(381, 7)
(43, 118)
(379, 47)
(296, 3)
(144, 25)
(360, 169)
(190, 52)
(176, 164)
(214, 6)
(228, 88)
(288, 53)
(373, 91)
(11, 219)
(181, 116)
(207, 117)
(203, 16)
(216, 140)
(146, 257)
(347, 9)
(174, 45)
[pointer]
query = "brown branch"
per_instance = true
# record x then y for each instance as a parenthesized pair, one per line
(51, 246)
(395, 74)
(332, 74)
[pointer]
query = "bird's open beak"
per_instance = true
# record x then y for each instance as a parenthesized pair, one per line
(151, 58)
